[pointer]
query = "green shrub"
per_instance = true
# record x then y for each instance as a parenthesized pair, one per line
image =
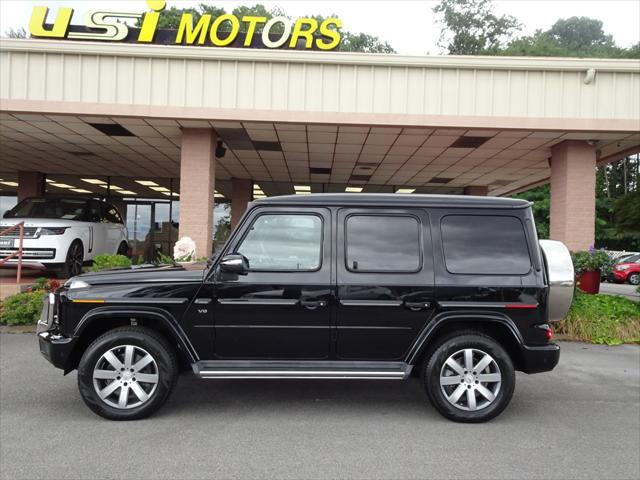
(108, 261)
(22, 308)
(602, 319)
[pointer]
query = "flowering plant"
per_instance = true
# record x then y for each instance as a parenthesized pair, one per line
(184, 250)
(592, 260)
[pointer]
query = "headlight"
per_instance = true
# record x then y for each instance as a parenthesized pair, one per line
(622, 268)
(73, 284)
(52, 230)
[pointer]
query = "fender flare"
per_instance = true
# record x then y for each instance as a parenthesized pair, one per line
(444, 318)
(155, 313)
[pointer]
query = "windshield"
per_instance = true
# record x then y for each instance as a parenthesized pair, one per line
(63, 208)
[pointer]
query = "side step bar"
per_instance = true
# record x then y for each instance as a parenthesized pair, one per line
(301, 369)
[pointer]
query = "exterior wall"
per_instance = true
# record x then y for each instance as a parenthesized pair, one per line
(197, 185)
(30, 184)
(224, 83)
(573, 200)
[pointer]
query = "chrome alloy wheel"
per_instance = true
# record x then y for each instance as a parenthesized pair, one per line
(470, 379)
(125, 377)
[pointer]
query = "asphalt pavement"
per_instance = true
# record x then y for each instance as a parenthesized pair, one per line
(621, 289)
(580, 421)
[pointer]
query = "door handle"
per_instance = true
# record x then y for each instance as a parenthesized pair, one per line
(312, 304)
(417, 306)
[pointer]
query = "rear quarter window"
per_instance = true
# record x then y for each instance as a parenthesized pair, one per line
(485, 245)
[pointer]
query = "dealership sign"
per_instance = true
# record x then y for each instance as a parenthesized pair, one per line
(222, 31)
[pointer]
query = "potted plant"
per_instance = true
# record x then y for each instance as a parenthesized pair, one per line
(590, 266)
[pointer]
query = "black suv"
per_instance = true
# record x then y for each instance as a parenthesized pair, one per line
(455, 290)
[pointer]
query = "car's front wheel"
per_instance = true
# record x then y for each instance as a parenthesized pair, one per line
(127, 373)
(634, 279)
(469, 377)
(74, 260)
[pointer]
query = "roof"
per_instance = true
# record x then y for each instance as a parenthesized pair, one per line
(392, 200)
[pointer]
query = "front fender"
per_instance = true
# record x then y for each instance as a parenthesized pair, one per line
(444, 318)
(148, 313)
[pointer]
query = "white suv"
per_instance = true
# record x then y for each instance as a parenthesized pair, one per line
(63, 233)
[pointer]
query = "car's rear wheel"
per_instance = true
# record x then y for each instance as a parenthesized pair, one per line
(74, 260)
(127, 373)
(634, 279)
(469, 377)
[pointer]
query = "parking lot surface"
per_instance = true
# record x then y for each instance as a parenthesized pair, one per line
(580, 421)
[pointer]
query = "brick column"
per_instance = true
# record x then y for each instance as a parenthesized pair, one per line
(30, 184)
(197, 185)
(477, 190)
(241, 192)
(573, 194)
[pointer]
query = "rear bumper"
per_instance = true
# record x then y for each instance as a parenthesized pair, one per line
(540, 359)
(56, 348)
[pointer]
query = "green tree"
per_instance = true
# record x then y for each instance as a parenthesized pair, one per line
(541, 207)
(470, 27)
(571, 37)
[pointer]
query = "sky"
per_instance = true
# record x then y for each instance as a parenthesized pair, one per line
(408, 25)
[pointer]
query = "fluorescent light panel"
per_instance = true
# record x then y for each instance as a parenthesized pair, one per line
(160, 189)
(147, 183)
(93, 181)
(10, 184)
(405, 190)
(80, 190)
(353, 189)
(302, 188)
(62, 185)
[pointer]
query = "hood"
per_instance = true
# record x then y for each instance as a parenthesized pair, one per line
(142, 274)
(39, 222)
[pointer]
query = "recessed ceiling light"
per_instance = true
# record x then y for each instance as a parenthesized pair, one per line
(81, 190)
(62, 185)
(302, 188)
(10, 184)
(126, 192)
(169, 194)
(111, 187)
(147, 183)
(48, 180)
(217, 194)
(405, 190)
(93, 181)
(302, 193)
(353, 189)
(160, 189)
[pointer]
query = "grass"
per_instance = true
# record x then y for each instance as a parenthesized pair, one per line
(602, 319)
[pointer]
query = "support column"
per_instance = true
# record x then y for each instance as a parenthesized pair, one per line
(477, 190)
(241, 190)
(573, 194)
(197, 185)
(30, 184)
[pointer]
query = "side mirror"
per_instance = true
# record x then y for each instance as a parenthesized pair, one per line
(235, 263)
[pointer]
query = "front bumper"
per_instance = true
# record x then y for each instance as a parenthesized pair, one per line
(56, 348)
(540, 359)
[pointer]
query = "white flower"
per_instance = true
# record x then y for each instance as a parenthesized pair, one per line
(184, 250)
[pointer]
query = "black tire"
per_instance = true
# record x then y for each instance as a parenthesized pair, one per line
(634, 279)
(74, 261)
(433, 366)
(123, 249)
(144, 339)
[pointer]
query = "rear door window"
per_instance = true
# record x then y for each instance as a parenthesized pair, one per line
(485, 245)
(382, 243)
